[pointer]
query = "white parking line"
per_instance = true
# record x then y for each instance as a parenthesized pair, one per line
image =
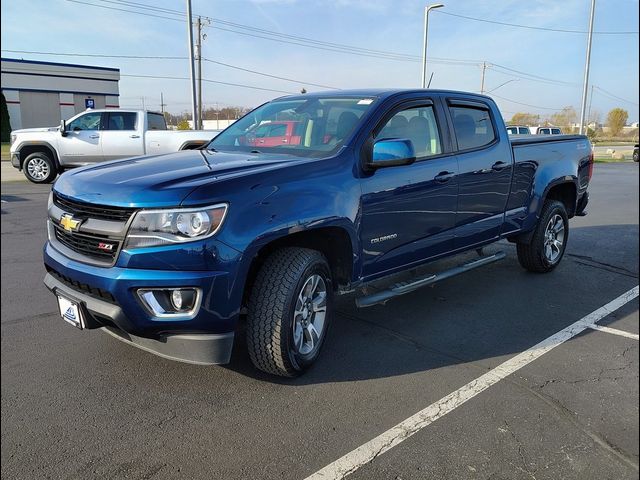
(614, 331)
(364, 454)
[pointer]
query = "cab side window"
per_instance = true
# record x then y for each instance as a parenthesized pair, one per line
(472, 126)
(417, 124)
(121, 121)
(88, 121)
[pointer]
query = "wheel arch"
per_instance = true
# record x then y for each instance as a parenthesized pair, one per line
(564, 191)
(334, 242)
(28, 148)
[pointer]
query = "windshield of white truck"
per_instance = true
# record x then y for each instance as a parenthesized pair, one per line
(308, 127)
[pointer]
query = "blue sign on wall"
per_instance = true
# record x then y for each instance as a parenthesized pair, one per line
(89, 103)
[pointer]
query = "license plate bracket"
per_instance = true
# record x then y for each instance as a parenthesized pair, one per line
(70, 312)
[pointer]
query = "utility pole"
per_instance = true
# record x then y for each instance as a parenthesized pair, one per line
(199, 58)
(162, 104)
(585, 87)
(424, 45)
(192, 67)
(142, 103)
(484, 69)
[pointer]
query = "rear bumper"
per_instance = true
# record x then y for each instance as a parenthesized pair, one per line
(582, 205)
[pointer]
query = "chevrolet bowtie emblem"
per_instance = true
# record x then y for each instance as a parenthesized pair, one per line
(68, 223)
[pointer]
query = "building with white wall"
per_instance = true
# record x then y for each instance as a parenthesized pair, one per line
(40, 94)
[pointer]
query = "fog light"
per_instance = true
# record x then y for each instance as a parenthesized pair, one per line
(176, 299)
(171, 302)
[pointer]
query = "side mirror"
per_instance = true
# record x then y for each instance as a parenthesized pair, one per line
(63, 128)
(391, 153)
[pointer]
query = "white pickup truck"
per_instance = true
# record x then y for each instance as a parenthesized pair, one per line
(95, 136)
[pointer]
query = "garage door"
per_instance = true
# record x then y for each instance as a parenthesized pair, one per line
(39, 109)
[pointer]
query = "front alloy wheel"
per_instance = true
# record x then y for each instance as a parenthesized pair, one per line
(289, 311)
(309, 315)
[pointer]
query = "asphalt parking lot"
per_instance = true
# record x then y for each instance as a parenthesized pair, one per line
(82, 405)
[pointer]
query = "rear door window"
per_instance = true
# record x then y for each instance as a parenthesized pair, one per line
(555, 131)
(473, 127)
(156, 121)
(121, 121)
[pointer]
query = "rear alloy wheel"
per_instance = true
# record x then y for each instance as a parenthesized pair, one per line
(289, 311)
(39, 168)
(549, 241)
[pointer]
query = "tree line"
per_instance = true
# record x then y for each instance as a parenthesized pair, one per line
(567, 118)
(211, 113)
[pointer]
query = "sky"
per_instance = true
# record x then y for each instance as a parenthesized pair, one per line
(528, 70)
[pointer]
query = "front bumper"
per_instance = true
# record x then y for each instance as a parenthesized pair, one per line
(15, 160)
(108, 299)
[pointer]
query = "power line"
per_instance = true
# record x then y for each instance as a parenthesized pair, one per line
(290, 39)
(164, 77)
(531, 27)
(525, 104)
(268, 74)
(95, 55)
(537, 77)
(611, 95)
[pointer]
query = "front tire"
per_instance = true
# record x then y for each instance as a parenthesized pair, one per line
(289, 311)
(39, 168)
(549, 240)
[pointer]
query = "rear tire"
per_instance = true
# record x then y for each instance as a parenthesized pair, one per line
(289, 311)
(39, 168)
(549, 240)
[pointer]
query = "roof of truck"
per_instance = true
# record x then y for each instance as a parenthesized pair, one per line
(378, 92)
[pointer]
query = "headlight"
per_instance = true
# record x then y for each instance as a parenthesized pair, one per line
(151, 228)
(13, 139)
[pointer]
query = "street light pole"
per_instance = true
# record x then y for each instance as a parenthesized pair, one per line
(192, 68)
(585, 87)
(424, 45)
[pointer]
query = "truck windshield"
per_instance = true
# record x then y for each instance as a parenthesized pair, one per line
(309, 127)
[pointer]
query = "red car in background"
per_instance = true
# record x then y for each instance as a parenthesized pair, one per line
(274, 134)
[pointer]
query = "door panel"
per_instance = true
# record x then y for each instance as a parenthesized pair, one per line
(81, 145)
(408, 212)
(408, 216)
(484, 178)
(121, 137)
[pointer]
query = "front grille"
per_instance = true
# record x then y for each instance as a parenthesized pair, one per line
(82, 287)
(89, 210)
(88, 244)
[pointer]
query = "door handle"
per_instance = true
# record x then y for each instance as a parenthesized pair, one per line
(444, 177)
(499, 166)
(94, 136)
(134, 136)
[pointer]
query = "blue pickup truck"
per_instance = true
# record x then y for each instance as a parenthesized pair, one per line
(182, 254)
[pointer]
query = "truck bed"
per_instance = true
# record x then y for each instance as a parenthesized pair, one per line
(519, 140)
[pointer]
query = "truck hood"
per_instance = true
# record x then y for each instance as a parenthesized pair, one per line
(35, 130)
(161, 180)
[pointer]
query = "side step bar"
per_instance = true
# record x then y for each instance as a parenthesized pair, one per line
(409, 286)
